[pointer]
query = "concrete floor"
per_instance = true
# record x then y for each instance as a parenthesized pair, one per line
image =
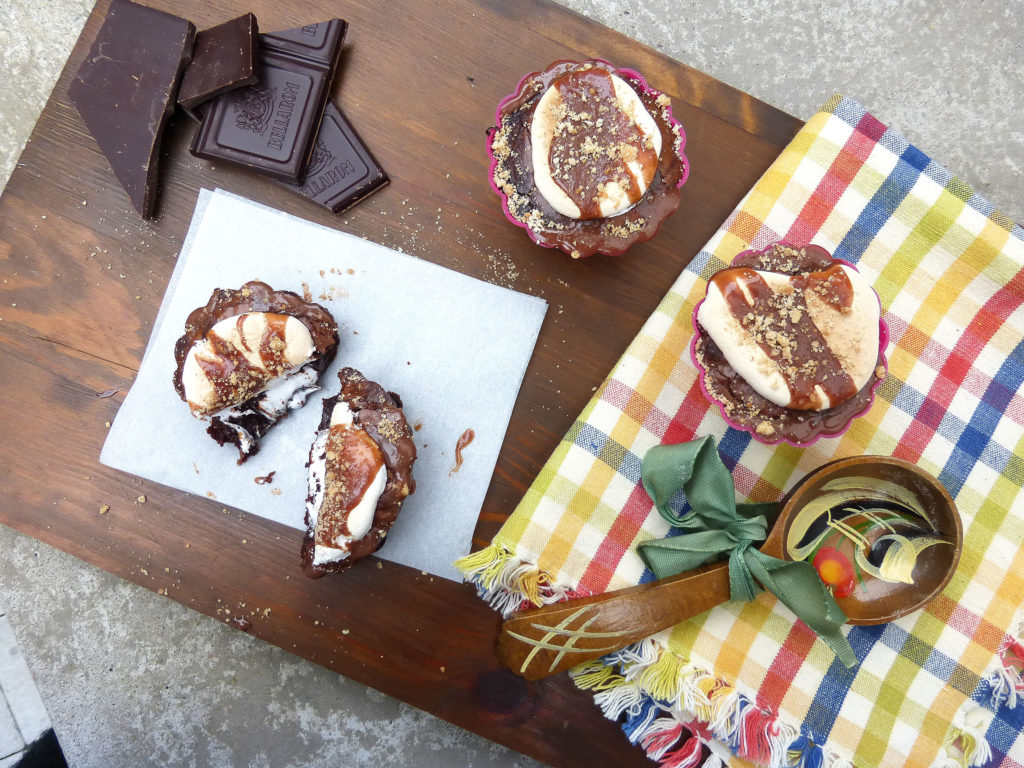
(164, 686)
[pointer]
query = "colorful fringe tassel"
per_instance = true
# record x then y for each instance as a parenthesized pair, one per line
(684, 717)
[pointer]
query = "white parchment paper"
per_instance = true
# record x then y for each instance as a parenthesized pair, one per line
(454, 348)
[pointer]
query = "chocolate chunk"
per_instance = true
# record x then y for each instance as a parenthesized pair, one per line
(271, 127)
(342, 171)
(225, 57)
(126, 89)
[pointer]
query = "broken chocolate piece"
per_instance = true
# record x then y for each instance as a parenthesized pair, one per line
(225, 57)
(342, 171)
(271, 127)
(248, 357)
(126, 90)
(360, 473)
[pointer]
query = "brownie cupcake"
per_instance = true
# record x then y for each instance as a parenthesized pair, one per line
(360, 472)
(789, 343)
(587, 158)
(248, 357)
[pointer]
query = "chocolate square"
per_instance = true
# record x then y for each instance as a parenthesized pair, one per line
(342, 171)
(271, 127)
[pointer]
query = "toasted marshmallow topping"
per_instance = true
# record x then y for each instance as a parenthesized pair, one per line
(606, 145)
(333, 535)
(807, 342)
(242, 356)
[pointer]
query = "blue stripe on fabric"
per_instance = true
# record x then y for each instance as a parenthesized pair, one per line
(612, 453)
(732, 445)
(638, 721)
(1003, 731)
(981, 205)
(938, 173)
(894, 142)
(590, 439)
(908, 399)
(977, 435)
(916, 159)
(951, 426)
(828, 699)
(850, 112)
(998, 395)
(630, 467)
(883, 203)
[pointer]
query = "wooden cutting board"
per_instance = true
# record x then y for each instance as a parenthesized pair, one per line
(83, 276)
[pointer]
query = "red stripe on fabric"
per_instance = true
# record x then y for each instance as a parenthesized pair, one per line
(964, 621)
(785, 665)
(897, 327)
(617, 394)
(845, 168)
(933, 354)
(659, 742)
(602, 567)
(656, 421)
(954, 369)
(689, 416)
(968, 624)
(681, 428)
(871, 127)
(744, 480)
(834, 182)
(813, 215)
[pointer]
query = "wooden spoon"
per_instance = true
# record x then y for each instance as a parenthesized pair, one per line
(547, 640)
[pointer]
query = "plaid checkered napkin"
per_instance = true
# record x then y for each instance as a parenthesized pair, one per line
(746, 681)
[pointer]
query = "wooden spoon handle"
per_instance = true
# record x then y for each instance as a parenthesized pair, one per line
(544, 641)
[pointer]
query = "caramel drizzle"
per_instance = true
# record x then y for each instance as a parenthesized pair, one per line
(233, 377)
(464, 440)
(782, 326)
(353, 459)
(582, 172)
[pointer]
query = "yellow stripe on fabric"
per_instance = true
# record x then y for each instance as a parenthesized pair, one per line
(890, 700)
(515, 527)
(765, 194)
(580, 508)
(1003, 268)
(734, 654)
(854, 442)
(928, 223)
(934, 725)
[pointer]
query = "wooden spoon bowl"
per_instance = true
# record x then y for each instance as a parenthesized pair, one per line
(544, 641)
(875, 601)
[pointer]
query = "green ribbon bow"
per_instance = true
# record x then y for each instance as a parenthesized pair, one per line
(717, 524)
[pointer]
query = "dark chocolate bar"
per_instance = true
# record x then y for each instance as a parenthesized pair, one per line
(342, 171)
(126, 90)
(225, 57)
(271, 127)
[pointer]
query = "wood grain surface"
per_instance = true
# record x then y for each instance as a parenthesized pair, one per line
(83, 276)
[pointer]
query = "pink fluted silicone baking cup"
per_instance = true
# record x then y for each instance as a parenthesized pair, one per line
(629, 74)
(883, 344)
